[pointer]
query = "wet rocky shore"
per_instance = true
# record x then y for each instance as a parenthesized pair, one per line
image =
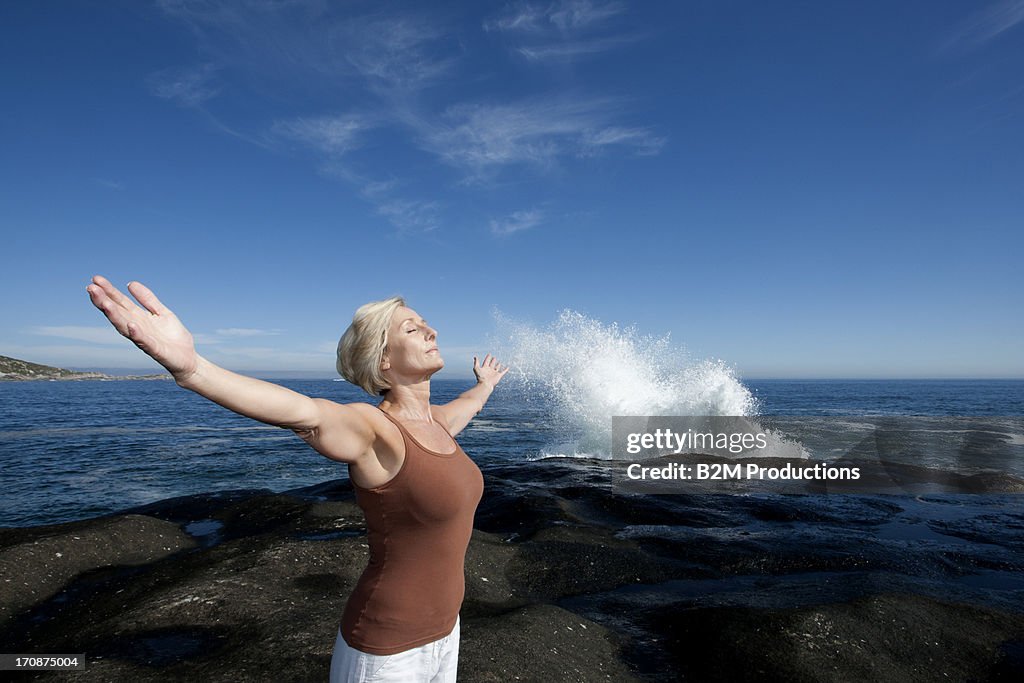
(566, 580)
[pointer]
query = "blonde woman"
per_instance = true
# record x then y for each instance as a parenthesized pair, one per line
(418, 489)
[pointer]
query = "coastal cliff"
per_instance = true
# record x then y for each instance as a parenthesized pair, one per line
(14, 369)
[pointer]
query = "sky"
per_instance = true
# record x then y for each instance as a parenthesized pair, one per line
(800, 189)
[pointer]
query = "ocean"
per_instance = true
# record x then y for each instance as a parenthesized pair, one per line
(74, 450)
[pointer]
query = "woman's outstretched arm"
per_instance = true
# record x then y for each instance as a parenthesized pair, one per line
(156, 330)
(459, 412)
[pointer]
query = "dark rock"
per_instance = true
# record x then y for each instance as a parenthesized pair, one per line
(881, 638)
(563, 583)
(565, 561)
(264, 602)
(539, 643)
(37, 569)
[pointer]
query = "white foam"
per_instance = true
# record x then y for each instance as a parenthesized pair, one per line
(545, 455)
(588, 372)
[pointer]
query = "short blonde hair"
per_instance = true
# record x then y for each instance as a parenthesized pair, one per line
(361, 348)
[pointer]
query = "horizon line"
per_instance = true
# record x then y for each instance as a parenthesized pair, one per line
(324, 374)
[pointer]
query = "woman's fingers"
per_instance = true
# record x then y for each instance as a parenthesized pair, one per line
(489, 361)
(136, 336)
(113, 293)
(110, 300)
(118, 308)
(147, 298)
(141, 292)
(114, 313)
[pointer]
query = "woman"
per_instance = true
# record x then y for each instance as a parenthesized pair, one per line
(417, 488)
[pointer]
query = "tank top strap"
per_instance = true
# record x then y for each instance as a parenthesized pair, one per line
(401, 428)
(443, 426)
(406, 434)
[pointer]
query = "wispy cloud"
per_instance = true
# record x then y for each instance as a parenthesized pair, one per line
(108, 335)
(330, 135)
(986, 25)
(188, 86)
(95, 335)
(525, 18)
(516, 222)
(399, 55)
(571, 49)
(246, 332)
(192, 88)
(411, 215)
(109, 184)
(281, 358)
(374, 189)
(229, 335)
(577, 14)
(395, 53)
(271, 38)
(641, 140)
(326, 347)
(389, 197)
(563, 30)
(483, 138)
(379, 62)
(204, 339)
(564, 15)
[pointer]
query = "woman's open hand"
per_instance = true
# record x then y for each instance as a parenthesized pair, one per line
(489, 370)
(154, 329)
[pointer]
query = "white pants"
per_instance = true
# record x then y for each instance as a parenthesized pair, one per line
(435, 662)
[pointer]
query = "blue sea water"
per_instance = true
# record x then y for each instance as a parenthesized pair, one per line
(74, 450)
(889, 397)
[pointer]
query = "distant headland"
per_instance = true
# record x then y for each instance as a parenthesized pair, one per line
(13, 369)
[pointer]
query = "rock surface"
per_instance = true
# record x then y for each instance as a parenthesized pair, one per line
(259, 597)
(251, 585)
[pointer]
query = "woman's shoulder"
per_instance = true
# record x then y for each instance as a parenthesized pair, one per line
(369, 411)
(373, 415)
(362, 405)
(353, 413)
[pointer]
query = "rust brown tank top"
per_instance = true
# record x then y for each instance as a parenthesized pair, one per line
(418, 527)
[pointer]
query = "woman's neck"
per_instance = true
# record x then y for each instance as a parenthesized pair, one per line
(410, 402)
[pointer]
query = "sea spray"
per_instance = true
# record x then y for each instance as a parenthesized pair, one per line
(585, 372)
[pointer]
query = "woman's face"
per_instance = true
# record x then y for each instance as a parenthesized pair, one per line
(412, 346)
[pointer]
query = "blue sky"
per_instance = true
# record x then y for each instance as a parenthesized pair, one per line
(801, 190)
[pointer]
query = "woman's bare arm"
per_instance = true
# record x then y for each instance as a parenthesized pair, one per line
(459, 412)
(264, 401)
(337, 431)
